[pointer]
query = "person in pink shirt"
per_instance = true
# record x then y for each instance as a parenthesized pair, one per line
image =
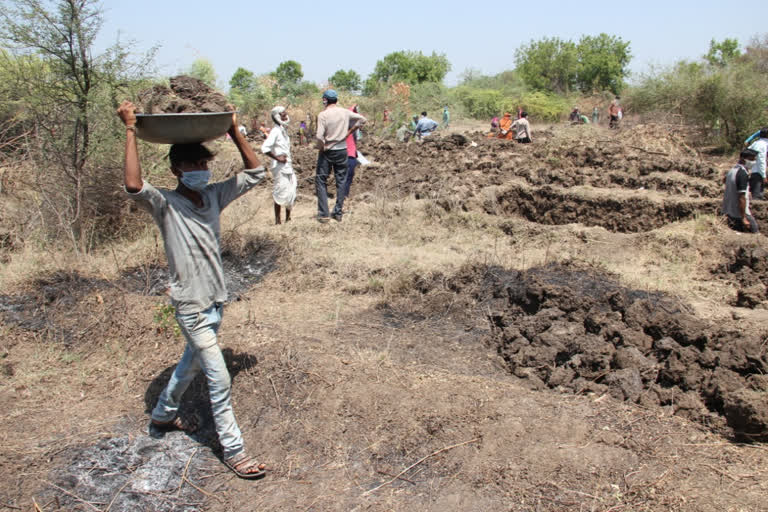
(351, 157)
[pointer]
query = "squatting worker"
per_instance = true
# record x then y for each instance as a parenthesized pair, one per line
(278, 148)
(757, 176)
(188, 218)
(736, 198)
(522, 129)
(334, 124)
(425, 126)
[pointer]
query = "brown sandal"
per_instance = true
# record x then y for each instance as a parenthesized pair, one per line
(242, 465)
(178, 423)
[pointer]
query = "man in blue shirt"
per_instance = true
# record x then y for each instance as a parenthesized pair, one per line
(425, 126)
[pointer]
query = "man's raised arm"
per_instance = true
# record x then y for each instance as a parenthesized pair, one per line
(132, 179)
(250, 160)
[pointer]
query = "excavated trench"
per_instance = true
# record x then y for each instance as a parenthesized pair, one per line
(547, 205)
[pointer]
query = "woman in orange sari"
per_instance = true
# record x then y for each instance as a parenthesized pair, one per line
(505, 127)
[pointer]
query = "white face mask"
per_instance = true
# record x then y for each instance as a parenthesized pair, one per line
(195, 180)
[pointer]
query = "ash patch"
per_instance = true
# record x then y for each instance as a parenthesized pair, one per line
(575, 329)
(134, 473)
(57, 296)
(243, 268)
(59, 291)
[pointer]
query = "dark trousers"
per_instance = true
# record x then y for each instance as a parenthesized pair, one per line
(351, 165)
(738, 225)
(756, 185)
(335, 159)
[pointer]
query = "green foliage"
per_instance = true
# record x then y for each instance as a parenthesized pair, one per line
(249, 93)
(542, 106)
(165, 318)
(603, 62)
(346, 80)
(288, 73)
(66, 95)
(560, 66)
(480, 103)
(242, 79)
(720, 54)
(732, 95)
(203, 70)
(409, 67)
(550, 64)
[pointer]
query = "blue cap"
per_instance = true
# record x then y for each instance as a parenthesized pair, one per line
(330, 94)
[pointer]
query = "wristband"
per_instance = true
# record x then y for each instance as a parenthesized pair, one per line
(131, 128)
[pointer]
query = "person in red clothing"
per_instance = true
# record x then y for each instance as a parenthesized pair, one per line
(351, 157)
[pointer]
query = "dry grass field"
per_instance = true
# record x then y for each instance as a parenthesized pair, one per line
(566, 325)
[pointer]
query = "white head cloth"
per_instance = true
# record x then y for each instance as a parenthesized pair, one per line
(276, 116)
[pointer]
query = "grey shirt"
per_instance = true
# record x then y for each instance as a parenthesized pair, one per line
(736, 184)
(192, 238)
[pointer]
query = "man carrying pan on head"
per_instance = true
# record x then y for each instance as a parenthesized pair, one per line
(188, 218)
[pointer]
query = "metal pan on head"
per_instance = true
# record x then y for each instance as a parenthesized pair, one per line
(184, 128)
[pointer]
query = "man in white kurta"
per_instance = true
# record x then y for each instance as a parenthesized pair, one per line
(278, 147)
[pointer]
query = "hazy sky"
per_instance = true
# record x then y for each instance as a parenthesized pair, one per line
(327, 36)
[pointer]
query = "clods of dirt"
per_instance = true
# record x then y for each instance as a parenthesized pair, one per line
(576, 329)
(747, 267)
(185, 95)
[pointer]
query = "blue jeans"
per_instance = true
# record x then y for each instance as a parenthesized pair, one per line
(203, 352)
(336, 159)
(351, 165)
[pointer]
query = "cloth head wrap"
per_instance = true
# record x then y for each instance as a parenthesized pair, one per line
(276, 116)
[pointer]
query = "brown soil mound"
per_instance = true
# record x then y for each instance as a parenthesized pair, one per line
(576, 329)
(747, 267)
(186, 94)
(547, 205)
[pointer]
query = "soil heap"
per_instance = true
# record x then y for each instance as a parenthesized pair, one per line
(185, 94)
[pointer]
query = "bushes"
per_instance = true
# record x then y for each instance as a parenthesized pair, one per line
(730, 95)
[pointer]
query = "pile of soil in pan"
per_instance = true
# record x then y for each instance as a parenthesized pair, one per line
(575, 329)
(185, 95)
(747, 267)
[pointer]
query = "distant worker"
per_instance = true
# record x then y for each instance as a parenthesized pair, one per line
(595, 115)
(446, 117)
(757, 176)
(334, 124)
(522, 129)
(278, 148)
(425, 126)
(505, 127)
(583, 119)
(263, 129)
(736, 198)
(495, 124)
(302, 133)
(387, 116)
(414, 123)
(614, 113)
(402, 133)
(573, 117)
(752, 138)
(351, 158)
